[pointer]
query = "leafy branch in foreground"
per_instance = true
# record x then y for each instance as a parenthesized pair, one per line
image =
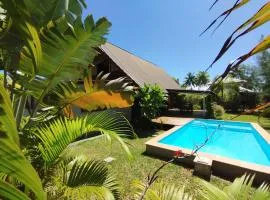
(96, 95)
(12, 161)
(261, 17)
(240, 189)
(81, 178)
(56, 136)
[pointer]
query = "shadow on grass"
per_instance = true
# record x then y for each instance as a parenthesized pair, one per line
(146, 133)
(184, 164)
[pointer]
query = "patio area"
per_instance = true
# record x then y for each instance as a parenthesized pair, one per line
(174, 121)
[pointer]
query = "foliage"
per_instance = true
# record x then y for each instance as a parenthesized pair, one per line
(258, 19)
(239, 189)
(151, 99)
(12, 161)
(194, 99)
(202, 78)
(218, 111)
(95, 96)
(188, 102)
(264, 64)
(57, 135)
(176, 80)
(190, 80)
(162, 191)
(85, 179)
(250, 74)
(209, 100)
(42, 44)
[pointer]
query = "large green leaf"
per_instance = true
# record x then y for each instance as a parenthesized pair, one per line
(161, 191)
(98, 95)
(8, 191)
(12, 161)
(240, 189)
(56, 136)
(261, 17)
(262, 46)
(65, 55)
(88, 179)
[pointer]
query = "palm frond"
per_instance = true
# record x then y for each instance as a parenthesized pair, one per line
(74, 50)
(262, 193)
(57, 135)
(12, 161)
(98, 95)
(240, 189)
(225, 14)
(210, 192)
(262, 46)
(259, 18)
(162, 191)
(86, 179)
(8, 191)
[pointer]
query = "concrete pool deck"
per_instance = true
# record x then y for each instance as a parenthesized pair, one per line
(174, 121)
(221, 166)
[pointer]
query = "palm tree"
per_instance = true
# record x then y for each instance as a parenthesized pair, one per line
(255, 21)
(240, 189)
(47, 48)
(160, 191)
(190, 80)
(202, 78)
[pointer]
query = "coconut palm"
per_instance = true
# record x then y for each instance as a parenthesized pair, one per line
(160, 191)
(190, 80)
(258, 19)
(46, 44)
(240, 189)
(202, 78)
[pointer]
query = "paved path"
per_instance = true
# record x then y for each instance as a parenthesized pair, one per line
(175, 121)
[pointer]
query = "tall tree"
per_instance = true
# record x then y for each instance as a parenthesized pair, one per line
(251, 76)
(202, 78)
(259, 18)
(190, 80)
(45, 47)
(264, 63)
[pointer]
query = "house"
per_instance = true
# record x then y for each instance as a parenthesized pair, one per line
(121, 63)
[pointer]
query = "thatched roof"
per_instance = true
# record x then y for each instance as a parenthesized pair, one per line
(139, 70)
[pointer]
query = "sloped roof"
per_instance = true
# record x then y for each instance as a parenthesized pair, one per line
(139, 70)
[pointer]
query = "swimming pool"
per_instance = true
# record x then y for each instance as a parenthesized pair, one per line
(235, 148)
(236, 140)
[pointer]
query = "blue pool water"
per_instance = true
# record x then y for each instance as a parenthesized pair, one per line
(236, 140)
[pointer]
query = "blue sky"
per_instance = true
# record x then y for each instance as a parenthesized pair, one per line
(167, 32)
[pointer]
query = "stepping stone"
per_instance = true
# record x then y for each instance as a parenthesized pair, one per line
(109, 159)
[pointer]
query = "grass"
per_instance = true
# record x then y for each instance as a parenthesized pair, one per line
(127, 171)
(264, 122)
(138, 168)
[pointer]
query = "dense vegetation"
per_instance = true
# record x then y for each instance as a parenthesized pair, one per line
(46, 48)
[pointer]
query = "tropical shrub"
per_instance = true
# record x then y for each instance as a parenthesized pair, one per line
(209, 100)
(45, 49)
(258, 19)
(187, 102)
(151, 99)
(195, 100)
(240, 189)
(218, 111)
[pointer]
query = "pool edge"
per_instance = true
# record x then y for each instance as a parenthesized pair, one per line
(222, 166)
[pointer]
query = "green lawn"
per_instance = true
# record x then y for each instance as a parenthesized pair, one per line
(137, 169)
(264, 122)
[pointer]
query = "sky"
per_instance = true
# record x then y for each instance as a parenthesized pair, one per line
(167, 32)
